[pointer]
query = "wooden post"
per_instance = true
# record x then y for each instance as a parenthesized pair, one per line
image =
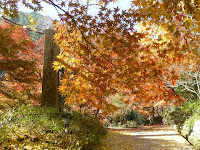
(50, 77)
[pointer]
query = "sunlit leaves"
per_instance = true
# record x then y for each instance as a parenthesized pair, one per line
(136, 51)
(32, 23)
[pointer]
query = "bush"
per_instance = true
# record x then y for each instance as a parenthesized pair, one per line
(28, 127)
(188, 125)
(88, 130)
(119, 118)
(135, 116)
(179, 114)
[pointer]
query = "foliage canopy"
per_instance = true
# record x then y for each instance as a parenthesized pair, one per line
(106, 53)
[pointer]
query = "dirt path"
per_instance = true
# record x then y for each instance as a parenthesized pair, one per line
(147, 138)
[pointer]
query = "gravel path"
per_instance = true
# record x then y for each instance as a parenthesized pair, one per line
(146, 138)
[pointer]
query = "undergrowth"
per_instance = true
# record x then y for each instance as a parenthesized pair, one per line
(26, 127)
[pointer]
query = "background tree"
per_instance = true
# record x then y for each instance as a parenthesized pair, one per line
(20, 61)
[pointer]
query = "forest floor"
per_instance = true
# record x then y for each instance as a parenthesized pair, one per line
(156, 137)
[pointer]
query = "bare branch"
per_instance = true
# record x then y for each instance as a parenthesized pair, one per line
(193, 91)
(197, 84)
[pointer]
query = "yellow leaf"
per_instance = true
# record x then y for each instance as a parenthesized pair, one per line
(100, 3)
(72, 34)
(73, 60)
(136, 2)
(71, 76)
(32, 21)
(56, 66)
(60, 56)
(79, 38)
(55, 63)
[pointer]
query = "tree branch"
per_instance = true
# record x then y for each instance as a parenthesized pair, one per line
(83, 35)
(187, 88)
(197, 82)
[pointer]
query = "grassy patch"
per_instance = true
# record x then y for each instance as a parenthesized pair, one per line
(27, 127)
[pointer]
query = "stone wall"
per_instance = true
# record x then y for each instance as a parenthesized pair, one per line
(191, 131)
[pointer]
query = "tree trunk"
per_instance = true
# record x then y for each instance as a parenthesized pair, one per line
(50, 77)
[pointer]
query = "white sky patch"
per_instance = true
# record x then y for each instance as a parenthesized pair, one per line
(49, 10)
(122, 4)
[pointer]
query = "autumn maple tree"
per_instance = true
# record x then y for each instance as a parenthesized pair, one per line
(108, 55)
(20, 58)
(137, 51)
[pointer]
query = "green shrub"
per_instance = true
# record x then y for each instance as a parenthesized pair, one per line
(188, 128)
(190, 121)
(179, 114)
(88, 129)
(133, 115)
(119, 118)
(28, 127)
